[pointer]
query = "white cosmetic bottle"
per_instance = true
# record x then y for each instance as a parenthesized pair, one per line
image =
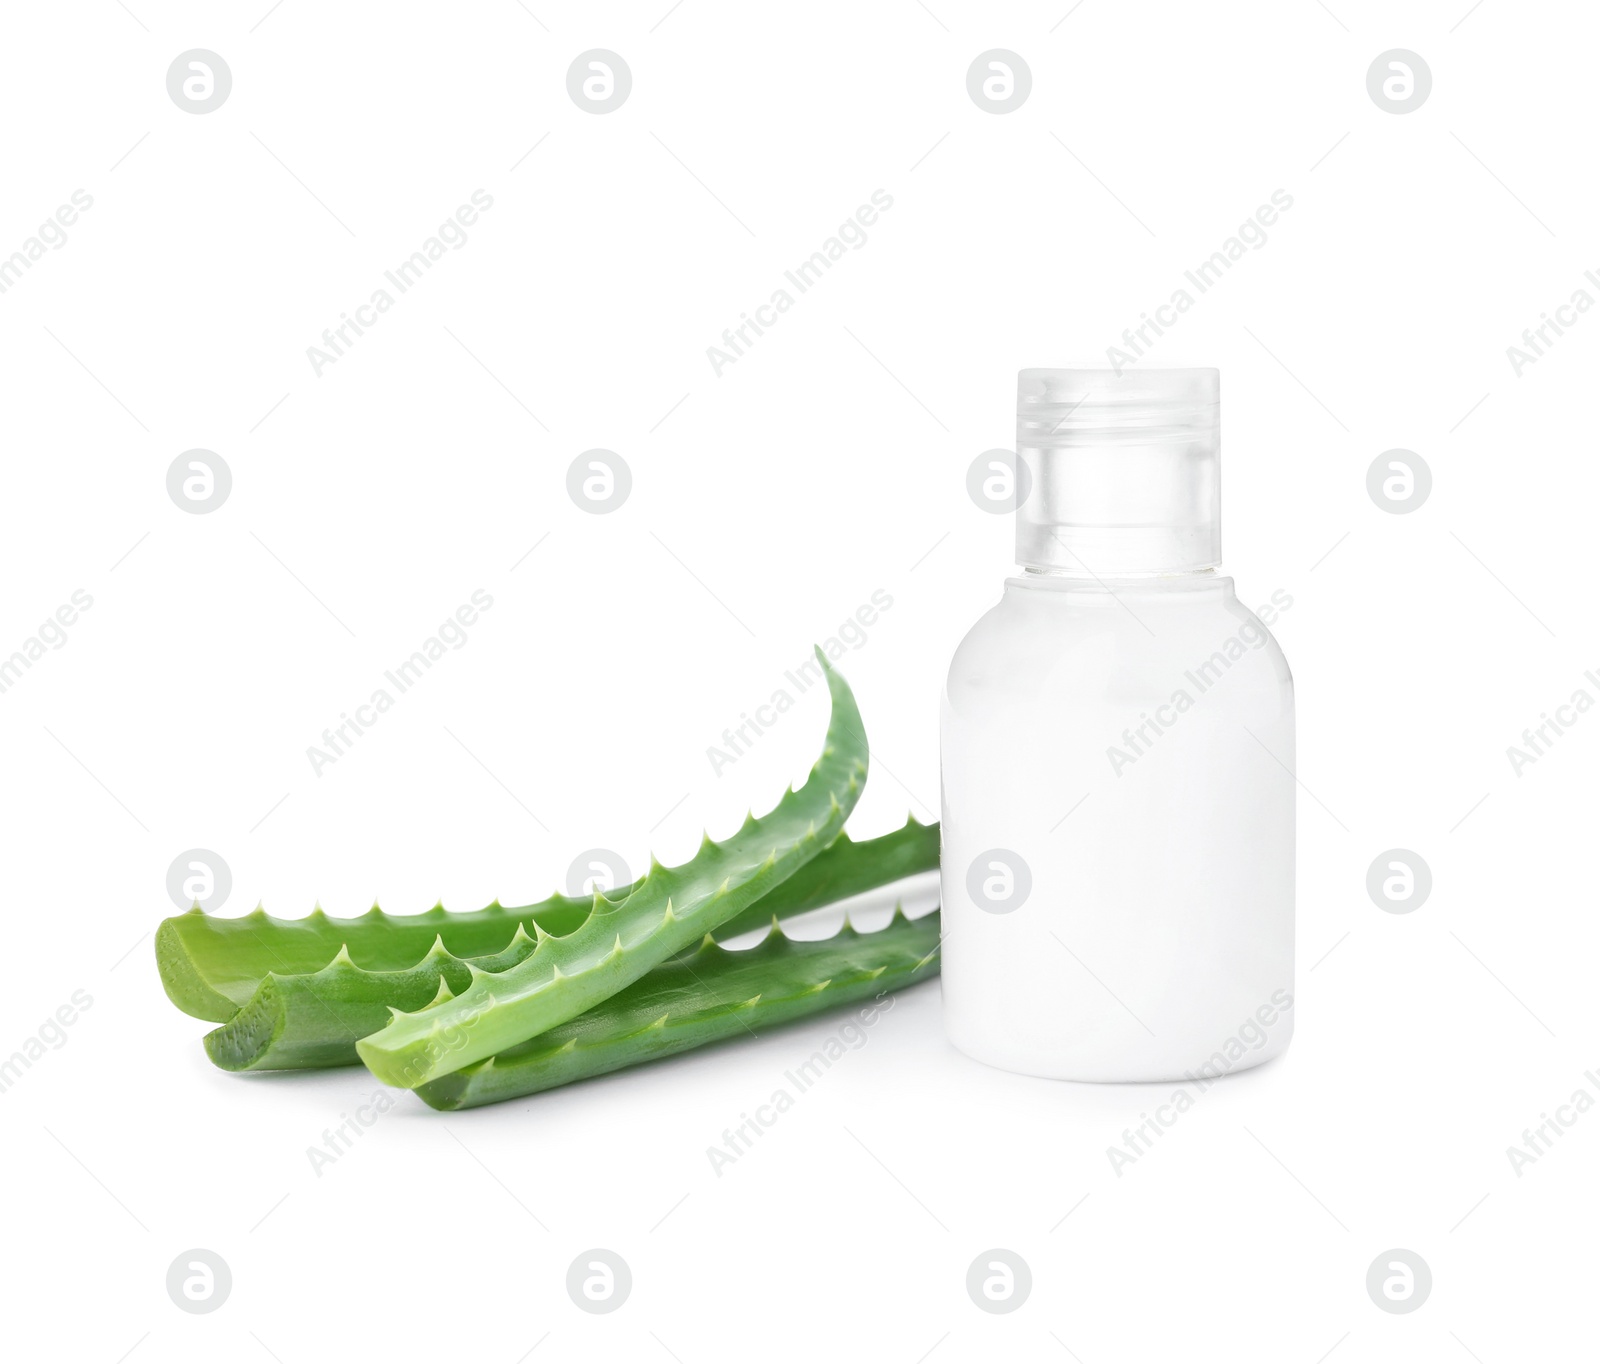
(1117, 750)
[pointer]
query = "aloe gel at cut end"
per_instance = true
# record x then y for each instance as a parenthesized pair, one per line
(1117, 750)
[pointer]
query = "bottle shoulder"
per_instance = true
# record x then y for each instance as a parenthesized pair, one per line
(1038, 629)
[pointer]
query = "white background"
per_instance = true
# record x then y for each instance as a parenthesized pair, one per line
(767, 505)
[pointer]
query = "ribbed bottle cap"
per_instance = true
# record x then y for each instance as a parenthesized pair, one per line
(1119, 472)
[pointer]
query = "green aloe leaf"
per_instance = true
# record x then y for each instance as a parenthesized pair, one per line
(296, 1020)
(314, 1019)
(703, 996)
(210, 967)
(846, 868)
(620, 941)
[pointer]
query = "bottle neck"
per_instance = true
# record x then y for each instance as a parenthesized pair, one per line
(1118, 473)
(1084, 519)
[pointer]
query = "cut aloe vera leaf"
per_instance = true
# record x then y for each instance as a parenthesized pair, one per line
(671, 908)
(705, 996)
(314, 1019)
(210, 967)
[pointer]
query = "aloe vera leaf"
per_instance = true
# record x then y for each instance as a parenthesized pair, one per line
(671, 908)
(210, 967)
(314, 1019)
(846, 868)
(704, 996)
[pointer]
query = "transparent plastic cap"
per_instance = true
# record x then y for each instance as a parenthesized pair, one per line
(1118, 474)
